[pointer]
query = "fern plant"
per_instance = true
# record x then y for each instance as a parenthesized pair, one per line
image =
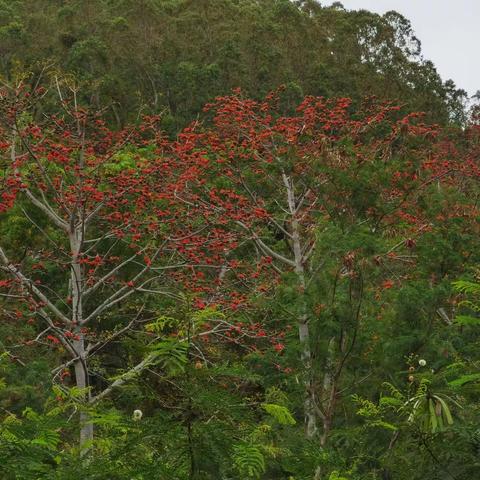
(249, 460)
(171, 354)
(472, 289)
(280, 413)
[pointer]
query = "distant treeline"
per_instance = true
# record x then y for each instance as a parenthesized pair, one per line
(173, 56)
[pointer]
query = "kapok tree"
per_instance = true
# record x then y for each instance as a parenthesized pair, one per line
(112, 236)
(330, 165)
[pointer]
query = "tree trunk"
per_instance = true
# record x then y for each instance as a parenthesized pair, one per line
(81, 380)
(309, 402)
(303, 327)
(80, 365)
(328, 392)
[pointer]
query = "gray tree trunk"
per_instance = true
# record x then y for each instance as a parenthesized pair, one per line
(80, 365)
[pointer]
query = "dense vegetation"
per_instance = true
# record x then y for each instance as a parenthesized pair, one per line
(174, 56)
(238, 240)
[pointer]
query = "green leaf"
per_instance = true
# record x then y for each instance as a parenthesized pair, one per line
(390, 402)
(172, 355)
(382, 424)
(249, 460)
(467, 320)
(445, 410)
(281, 414)
(48, 439)
(160, 324)
(464, 379)
(335, 475)
(465, 286)
(433, 416)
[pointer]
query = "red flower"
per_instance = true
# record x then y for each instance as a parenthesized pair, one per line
(200, 304)
(387, 284)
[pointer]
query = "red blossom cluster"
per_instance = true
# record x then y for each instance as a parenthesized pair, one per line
(184, 208)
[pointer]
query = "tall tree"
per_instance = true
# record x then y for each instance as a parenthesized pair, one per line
(108, 229)
(326, 164)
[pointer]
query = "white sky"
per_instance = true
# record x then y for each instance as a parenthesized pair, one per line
(448, 29)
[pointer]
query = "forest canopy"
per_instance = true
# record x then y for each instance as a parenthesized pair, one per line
(174, 56)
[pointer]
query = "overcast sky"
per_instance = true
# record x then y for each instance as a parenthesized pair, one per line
(448, 29)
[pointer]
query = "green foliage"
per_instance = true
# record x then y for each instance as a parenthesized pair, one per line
(177, 66)
(472, 303)
(171, 354)
(279, 413)
(217, 405)
(429, 411)
(335, 475)
(249, 460)
(467, 287)
(464, 379)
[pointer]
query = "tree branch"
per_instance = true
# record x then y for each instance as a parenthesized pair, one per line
(13, 270)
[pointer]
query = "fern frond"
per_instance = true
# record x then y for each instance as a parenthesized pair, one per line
(249, 460)
(281, 414)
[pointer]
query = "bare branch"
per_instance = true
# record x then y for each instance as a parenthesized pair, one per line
(29, 284)
(102, 280)
(46, 209)
(120, 294)
(91, 349)
(266, 249)
(38, 203)
(132, 373)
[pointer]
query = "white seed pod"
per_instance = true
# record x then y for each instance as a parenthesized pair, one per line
(137, 415)
(422, 362)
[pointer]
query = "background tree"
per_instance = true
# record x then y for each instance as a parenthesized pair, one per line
(175, 56)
